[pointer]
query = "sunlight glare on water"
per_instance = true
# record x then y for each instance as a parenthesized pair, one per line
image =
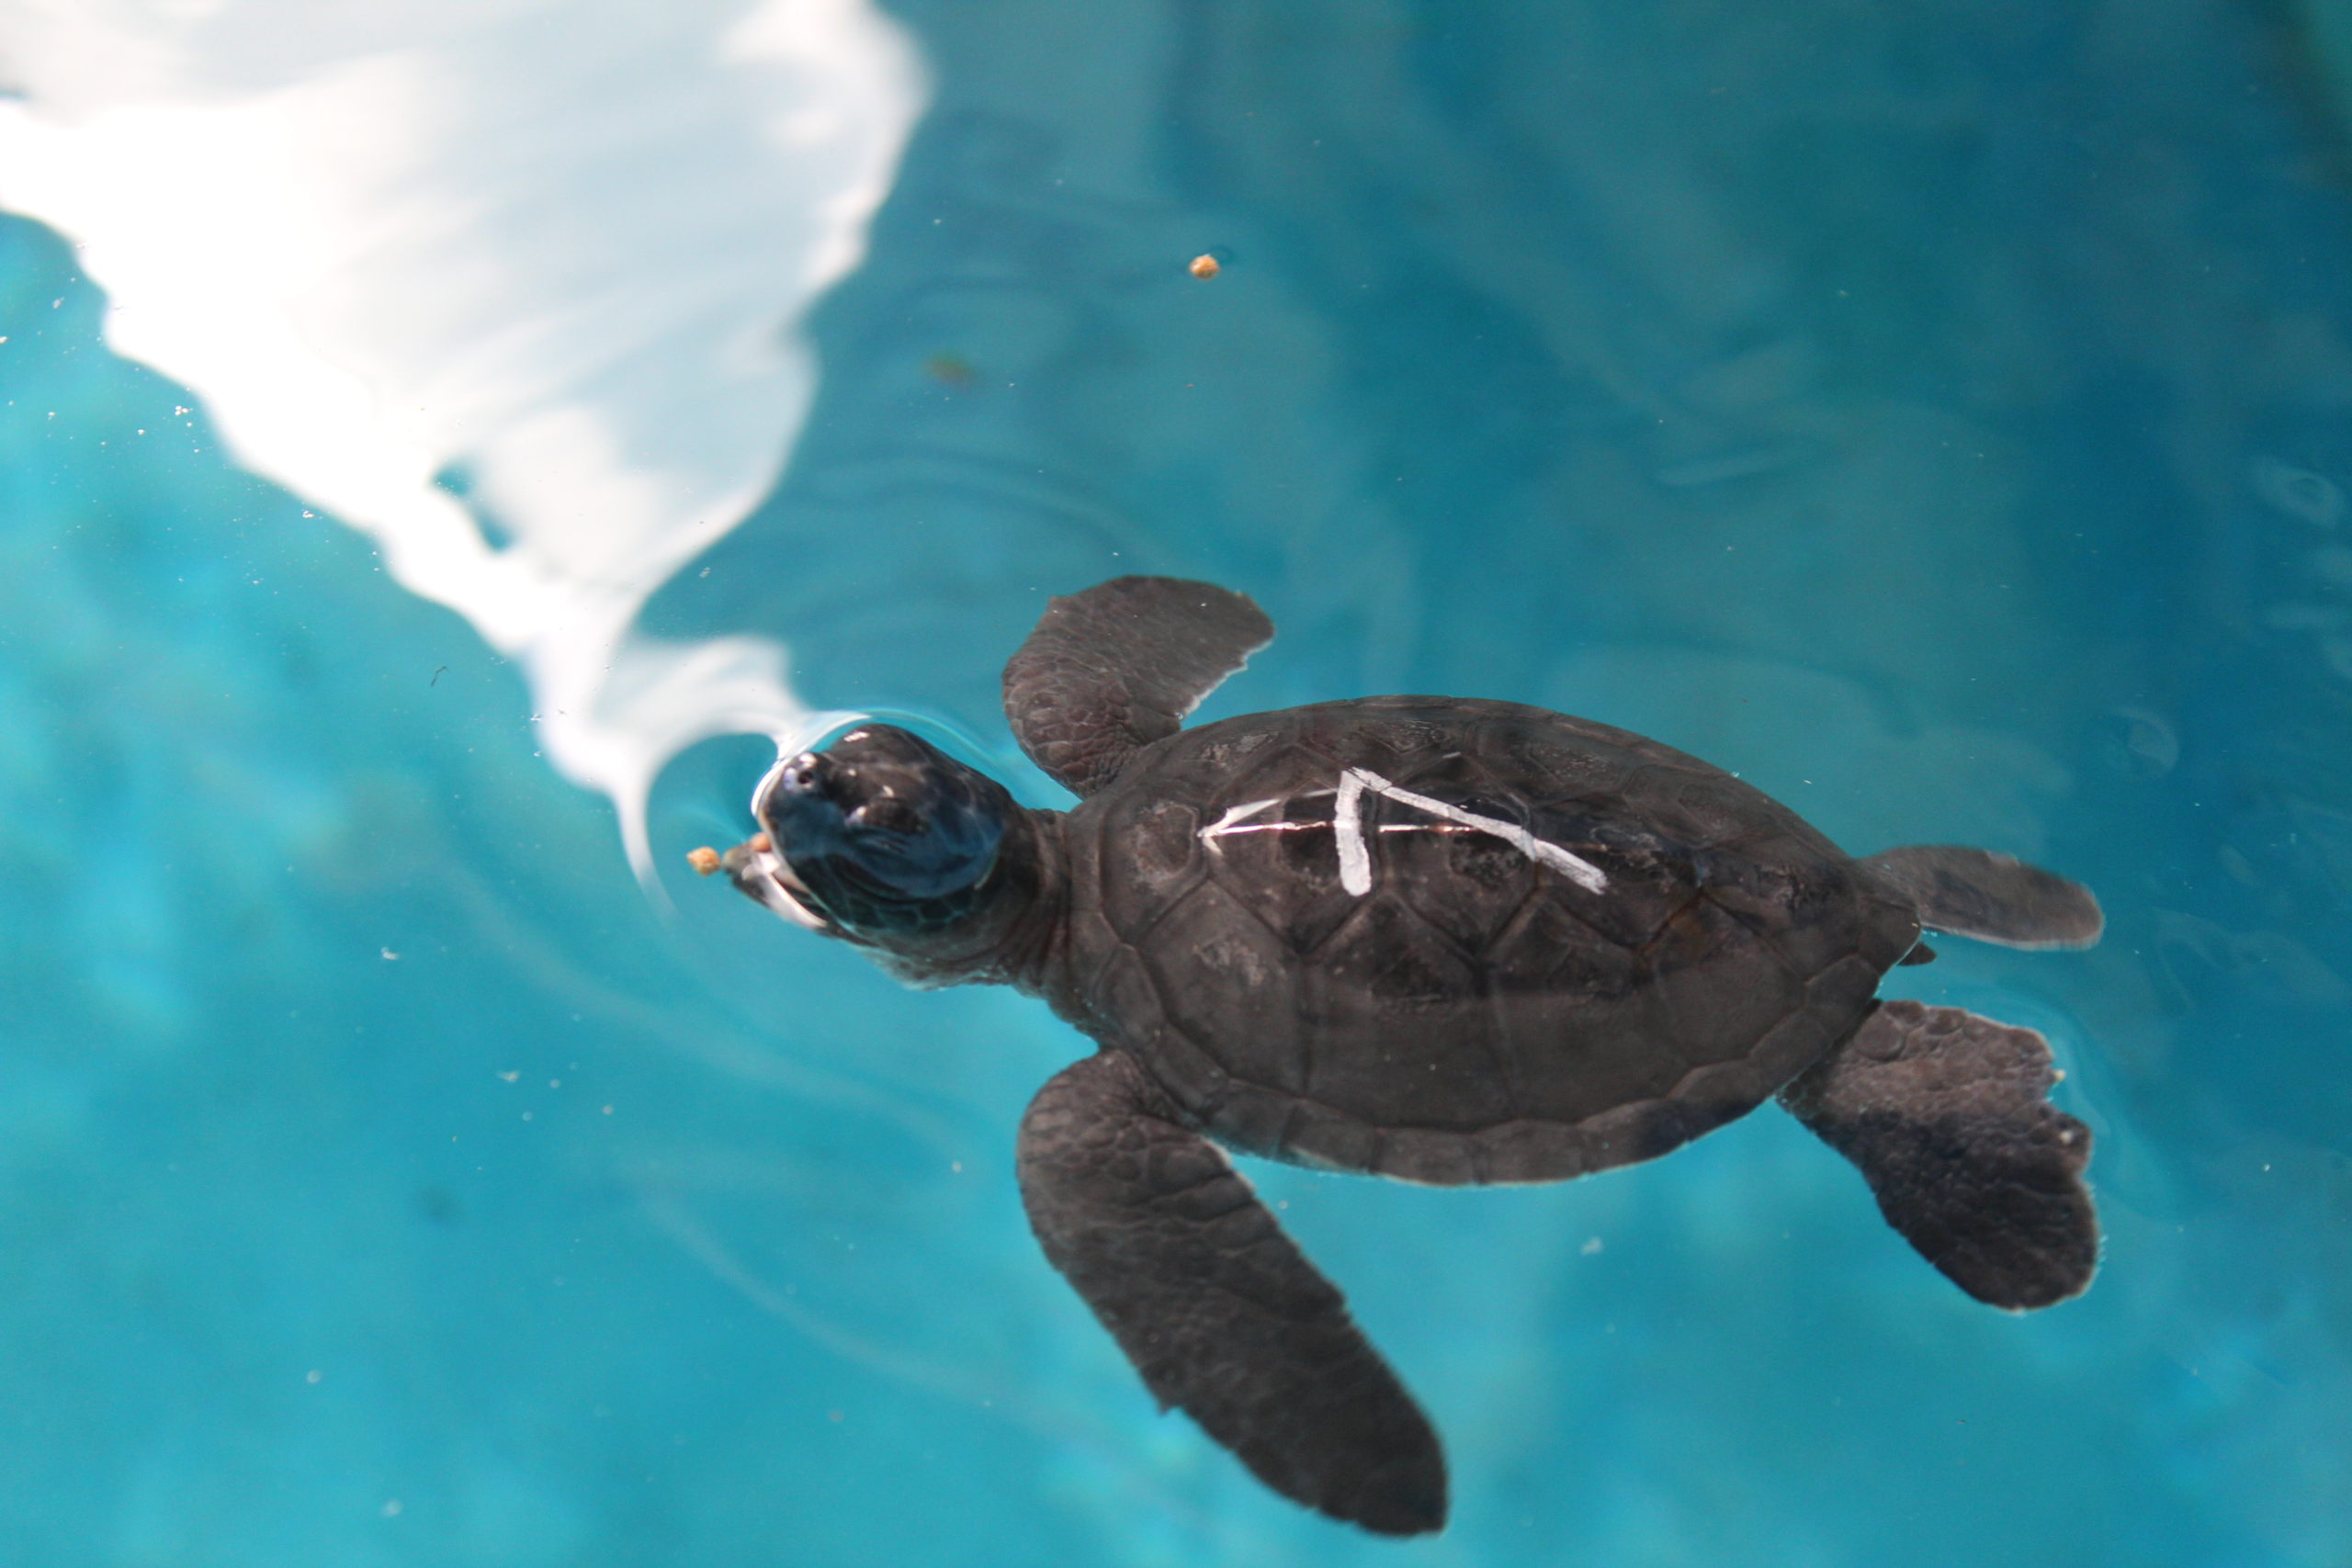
(538, 338)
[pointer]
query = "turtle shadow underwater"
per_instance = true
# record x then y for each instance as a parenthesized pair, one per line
(1446, 941)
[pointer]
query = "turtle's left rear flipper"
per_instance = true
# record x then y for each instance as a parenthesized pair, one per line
(1215, 1307)
(1944, 1113)
(1992, 897)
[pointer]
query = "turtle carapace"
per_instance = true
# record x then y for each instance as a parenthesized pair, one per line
(1439, 939)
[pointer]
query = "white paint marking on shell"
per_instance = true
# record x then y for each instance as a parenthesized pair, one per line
(1576, 869)
(1224, 824)
(1355, 855)
(1347, 821)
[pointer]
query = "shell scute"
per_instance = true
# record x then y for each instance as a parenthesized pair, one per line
(1529, 1149)
(1394, 745)
(1649, 875)
(1278, 864)
(1701, 814)
(1163, 859)
(1229, 751)
(1711, 980)
(1122, 989)
(1253, 1118)
(1439, 1159)
(1571, 1020)
(1225, 981)
(1318, 1136)
(1467, 883)
(1570, 763)
(1395, 1043)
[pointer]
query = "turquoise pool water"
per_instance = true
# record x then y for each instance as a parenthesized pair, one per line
(1937, 416)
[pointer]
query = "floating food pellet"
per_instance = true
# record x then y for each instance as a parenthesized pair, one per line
(762, 843)
(705, 860)
(1204, 265)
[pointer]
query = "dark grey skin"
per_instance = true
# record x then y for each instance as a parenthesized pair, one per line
(1443, 939)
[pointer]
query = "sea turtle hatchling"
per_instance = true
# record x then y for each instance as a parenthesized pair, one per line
(1440, 939)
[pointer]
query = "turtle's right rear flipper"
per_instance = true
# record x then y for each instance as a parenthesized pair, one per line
(1215, 1307)
(1992, 897)
(1944, 1113)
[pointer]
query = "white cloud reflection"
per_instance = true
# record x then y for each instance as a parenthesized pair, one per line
(555, 254)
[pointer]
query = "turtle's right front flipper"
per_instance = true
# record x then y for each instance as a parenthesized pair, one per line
(1218, 1309)
(1117, 667)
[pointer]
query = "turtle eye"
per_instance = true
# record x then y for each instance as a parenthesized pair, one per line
(916, 854)
(887, 816)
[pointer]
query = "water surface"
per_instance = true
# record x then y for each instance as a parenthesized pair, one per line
(1938, 417)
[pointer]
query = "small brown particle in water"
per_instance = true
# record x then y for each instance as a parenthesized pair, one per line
(1204, 265)
(705, 860)
(762, 843)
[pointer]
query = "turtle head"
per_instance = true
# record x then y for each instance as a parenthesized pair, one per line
(886, 841)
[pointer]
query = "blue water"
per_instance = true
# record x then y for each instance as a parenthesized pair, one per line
(1939, 415)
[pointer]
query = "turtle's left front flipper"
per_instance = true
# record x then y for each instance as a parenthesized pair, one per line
(1108, 672)
(1218, 1309)
(1945, 1114)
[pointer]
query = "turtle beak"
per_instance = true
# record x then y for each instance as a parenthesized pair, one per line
(758, 872)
